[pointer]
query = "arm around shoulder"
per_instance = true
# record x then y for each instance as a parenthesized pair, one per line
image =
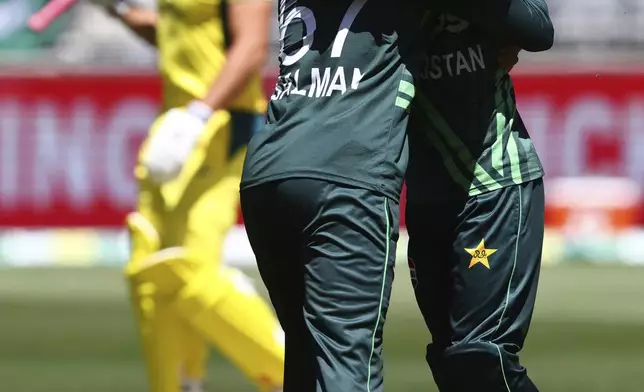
(522, 23)
(529, 23)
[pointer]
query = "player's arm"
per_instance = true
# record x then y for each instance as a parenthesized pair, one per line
(249, 22)
(522, 23)
(528, 25)
(143, 22)
(176, 137)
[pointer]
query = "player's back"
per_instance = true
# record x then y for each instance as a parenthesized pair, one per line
(192, 38)
(339, 109)
(466, 133)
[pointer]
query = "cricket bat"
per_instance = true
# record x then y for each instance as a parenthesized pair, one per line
(47, 14)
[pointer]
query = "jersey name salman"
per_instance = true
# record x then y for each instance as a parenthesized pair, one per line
(339, 110)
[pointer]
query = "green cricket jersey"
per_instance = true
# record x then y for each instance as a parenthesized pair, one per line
(339, 111)
(466, 135)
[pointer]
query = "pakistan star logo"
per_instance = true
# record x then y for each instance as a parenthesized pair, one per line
(480, 255)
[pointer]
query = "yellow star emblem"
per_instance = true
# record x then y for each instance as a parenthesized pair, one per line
(480, 255)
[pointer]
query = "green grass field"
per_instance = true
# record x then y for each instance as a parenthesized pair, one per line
(69, 330)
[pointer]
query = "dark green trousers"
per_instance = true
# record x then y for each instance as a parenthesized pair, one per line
(326, 254)
(474, 266)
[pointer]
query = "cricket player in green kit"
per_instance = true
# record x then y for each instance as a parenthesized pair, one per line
(321, 185)
(475, 199)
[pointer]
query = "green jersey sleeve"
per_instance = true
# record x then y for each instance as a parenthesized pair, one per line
(528, 23)
(524, 23)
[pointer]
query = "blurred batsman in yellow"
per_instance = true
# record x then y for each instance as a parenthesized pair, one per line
(210, 56)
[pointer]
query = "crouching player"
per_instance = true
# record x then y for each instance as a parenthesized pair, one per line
(475, 245)
(210, 53)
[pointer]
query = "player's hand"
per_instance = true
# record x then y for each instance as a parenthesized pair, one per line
(509, 57)
(174, 139)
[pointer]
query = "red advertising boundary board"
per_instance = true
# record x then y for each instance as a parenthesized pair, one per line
(68, 141)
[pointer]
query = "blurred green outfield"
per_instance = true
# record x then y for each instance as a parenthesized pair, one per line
(70, 330)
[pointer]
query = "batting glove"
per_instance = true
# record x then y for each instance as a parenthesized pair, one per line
(174, 139)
